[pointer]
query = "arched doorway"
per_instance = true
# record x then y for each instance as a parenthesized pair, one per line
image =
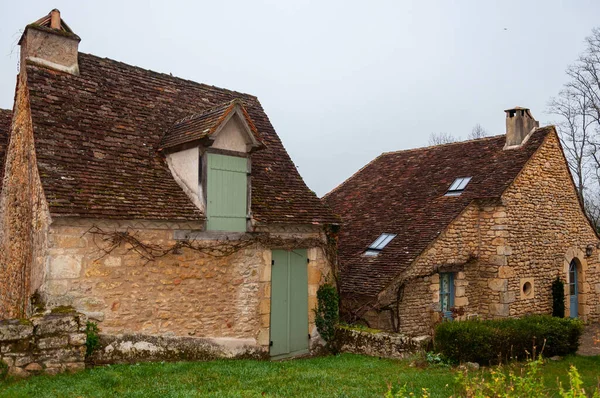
(576, 284)
(573, 289)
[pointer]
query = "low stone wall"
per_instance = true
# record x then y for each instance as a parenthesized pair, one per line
(378, 344)
(50, 343)
(134, 348)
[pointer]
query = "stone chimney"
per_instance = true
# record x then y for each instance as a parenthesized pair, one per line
(49, 42)
(519, 124)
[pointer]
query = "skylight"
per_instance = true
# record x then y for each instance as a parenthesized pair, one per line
(458, 186)
(379, 244)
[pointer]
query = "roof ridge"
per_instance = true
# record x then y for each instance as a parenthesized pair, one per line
(442, 145)
(171, 77)
(204, 112)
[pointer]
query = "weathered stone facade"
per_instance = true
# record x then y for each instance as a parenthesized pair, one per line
(50, 344)
(190, 294)
(378, 343)
(91, 159)
(505, 253)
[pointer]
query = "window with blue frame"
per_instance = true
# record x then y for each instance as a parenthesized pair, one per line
(446, 294)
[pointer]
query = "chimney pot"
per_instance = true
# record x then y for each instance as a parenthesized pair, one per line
(55, 19)
(519, 124)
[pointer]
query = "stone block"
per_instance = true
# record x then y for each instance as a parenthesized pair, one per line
(15, 346)
(34, 367)
(56, 287)
(265, 306)
(15, 329)
(52, 371)
(498, 285)
(265, 273)
(498, 260)
(77, 339)
(263, 337)
(459, 291)
(500, 309)
(23, 360)
(461, 301)
(53, 342)
(504, 250)
(265, 320)
(314, 275)
(56, 323)
(65, 266)
(17, 372)
(507, 297)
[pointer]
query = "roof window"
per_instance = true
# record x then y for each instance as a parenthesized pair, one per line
(458, 186)
(379, 244)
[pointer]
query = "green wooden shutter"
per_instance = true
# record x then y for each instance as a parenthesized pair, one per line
(227, 193)
(446, 294)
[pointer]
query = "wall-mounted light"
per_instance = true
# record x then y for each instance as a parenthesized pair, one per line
(589, 250)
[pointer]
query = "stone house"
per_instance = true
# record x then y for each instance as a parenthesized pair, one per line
(479, 228)
(166, 210)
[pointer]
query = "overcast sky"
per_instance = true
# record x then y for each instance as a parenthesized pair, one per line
(342, 81)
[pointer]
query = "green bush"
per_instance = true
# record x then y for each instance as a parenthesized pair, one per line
(497, 341)
(327, 314)
(93, 340)
(558, 298)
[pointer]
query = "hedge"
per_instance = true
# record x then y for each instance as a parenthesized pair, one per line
(495, 341)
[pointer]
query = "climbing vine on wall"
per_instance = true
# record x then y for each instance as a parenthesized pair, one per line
(327, 314)
(108, 241)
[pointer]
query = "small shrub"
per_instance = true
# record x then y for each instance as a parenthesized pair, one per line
(434, 359)
(497, 341)
(327, 314)
(558, 298)
(93, 340)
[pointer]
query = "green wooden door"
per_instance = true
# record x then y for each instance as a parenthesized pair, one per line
(226, 193)
(289, 303)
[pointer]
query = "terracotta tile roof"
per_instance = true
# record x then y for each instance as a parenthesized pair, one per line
(97, 136)
(403, 193)
(5, 119)
(201, 125)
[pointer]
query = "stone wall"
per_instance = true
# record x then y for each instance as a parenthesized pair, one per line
(185, 295)
(495, 247)
(377, 343)
(547, 230)
(50, 344)
(24, 215)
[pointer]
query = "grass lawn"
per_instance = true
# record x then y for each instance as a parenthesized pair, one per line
(346, 375)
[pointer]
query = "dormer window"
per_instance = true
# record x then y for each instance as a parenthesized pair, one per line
(458, 186)
(209, 156)
(377, 246)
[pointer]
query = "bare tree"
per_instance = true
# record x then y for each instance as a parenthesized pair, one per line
(441, 138)
(477, 132)
(578, 107)
(575, 131)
